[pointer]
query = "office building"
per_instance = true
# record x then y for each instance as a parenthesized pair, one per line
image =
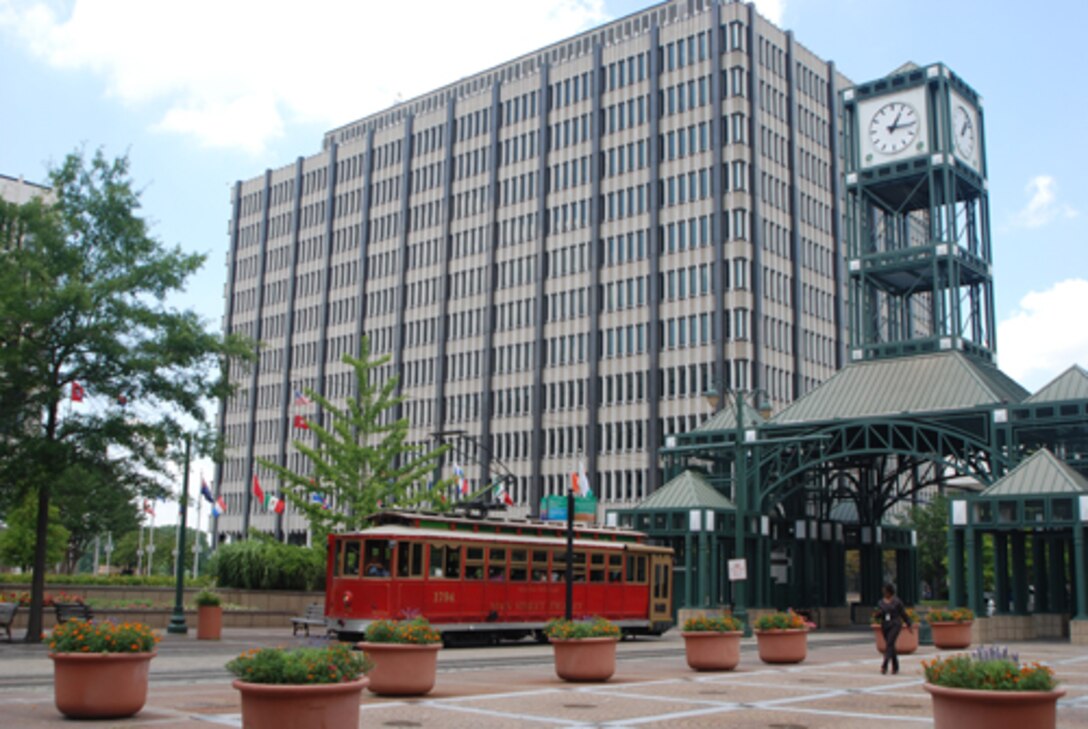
(561, 255)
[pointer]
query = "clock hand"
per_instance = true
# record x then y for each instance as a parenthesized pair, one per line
(895, 124)
(966, 123)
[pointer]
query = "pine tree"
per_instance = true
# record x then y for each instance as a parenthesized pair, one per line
(362, 462)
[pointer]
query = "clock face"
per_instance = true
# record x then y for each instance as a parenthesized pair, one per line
(963, 131)
(893, 127)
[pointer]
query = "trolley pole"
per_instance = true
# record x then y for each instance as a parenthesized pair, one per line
(570, 555)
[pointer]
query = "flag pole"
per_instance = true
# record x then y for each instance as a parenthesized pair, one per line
(199, 532)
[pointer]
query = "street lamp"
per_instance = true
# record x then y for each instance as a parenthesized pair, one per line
(177, 619)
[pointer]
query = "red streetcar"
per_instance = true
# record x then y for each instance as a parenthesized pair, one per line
(492, 578)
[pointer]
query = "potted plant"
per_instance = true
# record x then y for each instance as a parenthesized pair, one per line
(405, 656)
(301, 687)
(782, 637)
(906, 643)
(991, 689)
(100, 669)
(209, 616)
(713, 643)
(585, 650)
(951, 627)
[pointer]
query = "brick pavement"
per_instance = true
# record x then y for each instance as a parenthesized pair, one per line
(838, 687)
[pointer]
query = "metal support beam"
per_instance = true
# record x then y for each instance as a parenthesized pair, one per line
(1019, 574)
(1001, 572)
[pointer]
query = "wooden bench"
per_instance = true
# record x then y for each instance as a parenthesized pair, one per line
(72, 611)
(7, 616)
(314, 615)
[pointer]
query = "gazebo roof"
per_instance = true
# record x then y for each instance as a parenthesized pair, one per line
(726, 418)
(1069, 385)
(925, 383)
(1042, 474)
(689, 490)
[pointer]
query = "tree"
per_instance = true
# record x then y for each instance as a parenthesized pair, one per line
(930, 521)
(362, 463)
(84, 318)
(17, 542)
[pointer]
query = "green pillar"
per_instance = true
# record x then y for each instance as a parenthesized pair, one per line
(1080, 571)
(956, 588)
(1001, 572)
(1019, 574)
(1056, 549)
(973, 542)
(689, 571)
(1038, 556)
(704, 563)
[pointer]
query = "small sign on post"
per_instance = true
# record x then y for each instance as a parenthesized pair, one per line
(738, 570)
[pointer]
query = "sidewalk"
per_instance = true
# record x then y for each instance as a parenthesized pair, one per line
(838, 687)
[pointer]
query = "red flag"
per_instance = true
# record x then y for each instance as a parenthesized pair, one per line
(574, 484)
(258, 493)
(77, 392)
(278, 504)
(122, 400)
(300, 423)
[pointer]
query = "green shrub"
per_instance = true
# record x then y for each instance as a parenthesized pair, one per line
(123, 580)
(560, 629)
(989, 669)
(788, 620)
(259, 564)
(713, 624)
(334, 664)
(207, 598)
(417, 631)
(950, 615)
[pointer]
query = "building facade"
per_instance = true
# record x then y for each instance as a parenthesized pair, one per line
(561, 255)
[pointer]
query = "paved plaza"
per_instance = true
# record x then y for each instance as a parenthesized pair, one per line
(839, 686)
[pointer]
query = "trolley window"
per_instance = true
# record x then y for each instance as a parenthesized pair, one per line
(409, 559)
(474, 563)
(615, 568)
(636, 569)
(445, 561)
(496, 565)
(348, 561)
(559, 566)
(377, 557)
(519, 565)
(596, 567)
(539, 572)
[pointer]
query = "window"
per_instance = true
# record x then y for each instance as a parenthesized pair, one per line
(474, 563)
(348, 560)
(445, 561)
(409, 559)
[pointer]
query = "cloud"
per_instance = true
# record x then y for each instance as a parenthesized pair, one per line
(1046, 334)
(772, 10)
(237, 74)
(1042, 206)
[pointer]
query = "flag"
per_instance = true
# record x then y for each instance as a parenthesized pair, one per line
(122, 400)
(300, 423)
(219, 507)
(149, 507)
(501, 494)
(301, 399)
(77, 392)
(319, 499)
(206, 491)
(277, 504)
(459, 477)
(583, 481)
(258, 492)
(574, 483)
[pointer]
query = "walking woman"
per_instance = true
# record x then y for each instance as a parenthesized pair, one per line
(893, 616)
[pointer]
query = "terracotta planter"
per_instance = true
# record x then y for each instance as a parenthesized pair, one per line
(402, 669)
(782, 646)
(905, 644)
(969, 709)
(295, 706)
(209, 622)
(588, 659)
(947, 636)
(712, 650)
(100, 685)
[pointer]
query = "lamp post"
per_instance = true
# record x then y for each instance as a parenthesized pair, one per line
(177, 619)
(740, 523)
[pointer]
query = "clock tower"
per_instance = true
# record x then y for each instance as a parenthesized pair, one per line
(918, 222)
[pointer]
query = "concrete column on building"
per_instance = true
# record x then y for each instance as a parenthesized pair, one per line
(1001, 572)
(1019, 574)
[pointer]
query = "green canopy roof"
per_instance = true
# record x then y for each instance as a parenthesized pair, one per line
(1069, 385)
(726, 418)
(689, 490)
(925, 383)
(1040, 475)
